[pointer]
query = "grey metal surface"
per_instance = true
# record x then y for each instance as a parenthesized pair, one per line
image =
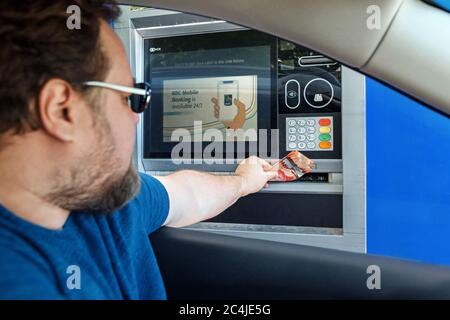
(334, 186)
(211, 226)
(179, 30)
(322, 165)
(172, 19)
(352, 184)
(354, 153)
(304, 188)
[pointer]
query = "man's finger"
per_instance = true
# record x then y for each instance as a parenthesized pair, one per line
(266, 166)
(271, 175)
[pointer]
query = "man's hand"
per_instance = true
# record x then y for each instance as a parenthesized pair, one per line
(255, 174)
(196, 196)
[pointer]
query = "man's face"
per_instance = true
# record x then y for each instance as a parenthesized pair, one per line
(114, 106)
(103, 177)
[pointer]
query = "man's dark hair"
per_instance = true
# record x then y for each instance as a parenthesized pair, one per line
(37, 46)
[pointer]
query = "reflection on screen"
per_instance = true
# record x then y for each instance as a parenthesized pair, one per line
(218, 102)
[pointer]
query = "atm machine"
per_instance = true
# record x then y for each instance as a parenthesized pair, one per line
(295, 97)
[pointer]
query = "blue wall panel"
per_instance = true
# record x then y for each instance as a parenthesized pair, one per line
(408, 178)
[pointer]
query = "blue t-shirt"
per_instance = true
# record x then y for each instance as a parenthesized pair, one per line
(95, 256)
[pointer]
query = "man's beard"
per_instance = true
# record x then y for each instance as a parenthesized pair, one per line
(95, 184)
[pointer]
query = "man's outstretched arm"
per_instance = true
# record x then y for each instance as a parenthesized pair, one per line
(197, 196)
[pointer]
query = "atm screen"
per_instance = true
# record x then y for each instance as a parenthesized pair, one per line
(209, 82)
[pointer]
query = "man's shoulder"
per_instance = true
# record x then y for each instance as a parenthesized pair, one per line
(150, 188)
(152, 202)
(17, 245)
(12, 238)
(23, 273)
(149, 180)
(17, 251)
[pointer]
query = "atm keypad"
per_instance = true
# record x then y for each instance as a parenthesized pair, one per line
(309, 133)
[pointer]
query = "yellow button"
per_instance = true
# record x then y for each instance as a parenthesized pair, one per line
(325, 130)
(325, 145)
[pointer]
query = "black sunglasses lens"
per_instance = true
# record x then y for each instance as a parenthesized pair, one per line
(140, 103)
(135, 102)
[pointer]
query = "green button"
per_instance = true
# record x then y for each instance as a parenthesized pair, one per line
(325, 137)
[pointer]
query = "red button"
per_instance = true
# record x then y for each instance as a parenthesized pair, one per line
(324, 122)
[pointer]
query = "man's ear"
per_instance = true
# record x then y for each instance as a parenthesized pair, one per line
(57, 107)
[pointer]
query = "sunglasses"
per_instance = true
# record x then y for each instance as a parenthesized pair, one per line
(140, 96)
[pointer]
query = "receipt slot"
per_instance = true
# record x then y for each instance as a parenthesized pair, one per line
(303, 101)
